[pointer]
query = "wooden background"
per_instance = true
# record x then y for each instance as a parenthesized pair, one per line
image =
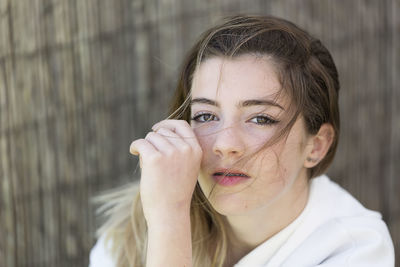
(81, 79)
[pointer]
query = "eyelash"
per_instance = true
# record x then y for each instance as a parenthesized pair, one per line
(197, 117)
(269, 120)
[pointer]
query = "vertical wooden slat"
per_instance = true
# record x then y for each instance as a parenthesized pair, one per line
(393, 183)
(8, 211)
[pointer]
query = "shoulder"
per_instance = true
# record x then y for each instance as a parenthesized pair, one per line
(329, 201)
(348, 242)
(338, 230)
(100, 255)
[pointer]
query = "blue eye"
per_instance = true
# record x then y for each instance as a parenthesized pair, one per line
(263, 120)
(204, 117)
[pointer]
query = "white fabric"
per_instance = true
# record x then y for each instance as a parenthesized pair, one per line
(268, 249)
(336, 230)
(100, 255)
(333, 230)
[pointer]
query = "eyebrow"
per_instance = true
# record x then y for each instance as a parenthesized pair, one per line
(246, 103)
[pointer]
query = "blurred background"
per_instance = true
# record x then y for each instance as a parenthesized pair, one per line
(81, 79)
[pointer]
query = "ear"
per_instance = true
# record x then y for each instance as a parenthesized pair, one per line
(320, 144)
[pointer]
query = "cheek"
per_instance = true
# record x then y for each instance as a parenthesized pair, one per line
(268, 169)
(277, 162)
(259, 134)
(205, 142)
(287, 161)
(292, 153)
(203, 139)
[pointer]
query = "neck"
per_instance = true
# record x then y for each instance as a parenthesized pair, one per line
(250, 230)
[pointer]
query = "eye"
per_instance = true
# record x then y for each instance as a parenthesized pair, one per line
(204, 117)
(263, 120)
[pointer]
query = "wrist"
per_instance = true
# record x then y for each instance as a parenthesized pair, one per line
(169, 238)
(168, 217)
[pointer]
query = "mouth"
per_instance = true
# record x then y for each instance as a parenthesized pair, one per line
(229, 177)
(230, 174)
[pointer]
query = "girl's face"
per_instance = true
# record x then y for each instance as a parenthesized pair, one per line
(237, 106)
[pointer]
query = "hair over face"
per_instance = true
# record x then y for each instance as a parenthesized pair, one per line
(304, 66)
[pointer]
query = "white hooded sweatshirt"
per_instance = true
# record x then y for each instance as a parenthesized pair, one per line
(334, 230)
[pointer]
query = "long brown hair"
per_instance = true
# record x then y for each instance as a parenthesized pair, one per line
(308, 76)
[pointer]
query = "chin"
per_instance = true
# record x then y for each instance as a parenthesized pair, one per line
(244, 201)
(231, 204)
(240, 200)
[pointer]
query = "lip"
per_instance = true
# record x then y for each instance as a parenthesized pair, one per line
(229, 177)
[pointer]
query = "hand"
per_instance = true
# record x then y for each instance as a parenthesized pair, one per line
(170, 158)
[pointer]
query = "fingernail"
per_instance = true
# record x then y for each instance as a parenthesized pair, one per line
(133, 152)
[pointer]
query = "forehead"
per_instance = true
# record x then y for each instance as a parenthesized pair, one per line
(241, 77)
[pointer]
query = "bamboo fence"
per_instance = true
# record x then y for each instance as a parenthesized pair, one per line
(81, 79)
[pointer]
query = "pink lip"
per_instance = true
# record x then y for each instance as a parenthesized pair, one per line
(228, 177)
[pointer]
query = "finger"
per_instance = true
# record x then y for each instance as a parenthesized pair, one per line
(159, 142)
(142, 147)
(180, 127)
(172, 137)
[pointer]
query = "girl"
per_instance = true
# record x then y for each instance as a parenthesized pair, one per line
(235, 176)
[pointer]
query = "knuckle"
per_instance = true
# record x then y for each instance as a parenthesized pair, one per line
(163, 131)
(185, 148)
(150, 135)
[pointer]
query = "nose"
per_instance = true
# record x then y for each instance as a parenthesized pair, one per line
(229, 143)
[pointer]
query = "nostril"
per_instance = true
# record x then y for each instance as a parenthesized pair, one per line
(226, 152)
(228, 144)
